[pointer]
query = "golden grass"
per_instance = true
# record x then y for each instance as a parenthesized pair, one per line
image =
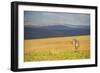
(57, 48)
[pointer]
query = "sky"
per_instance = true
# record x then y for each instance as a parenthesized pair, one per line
(41, 18)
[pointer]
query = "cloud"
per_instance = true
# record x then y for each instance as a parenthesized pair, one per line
(54, 18)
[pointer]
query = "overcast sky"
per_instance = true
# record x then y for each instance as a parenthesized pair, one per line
(40, 18)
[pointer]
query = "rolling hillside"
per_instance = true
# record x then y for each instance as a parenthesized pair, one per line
(31, 32)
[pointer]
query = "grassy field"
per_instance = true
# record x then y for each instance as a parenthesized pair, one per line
(57, 48)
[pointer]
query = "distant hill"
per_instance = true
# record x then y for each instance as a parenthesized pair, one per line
(31, 32)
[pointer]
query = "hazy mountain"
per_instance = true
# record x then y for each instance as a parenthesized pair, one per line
(31, 32)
